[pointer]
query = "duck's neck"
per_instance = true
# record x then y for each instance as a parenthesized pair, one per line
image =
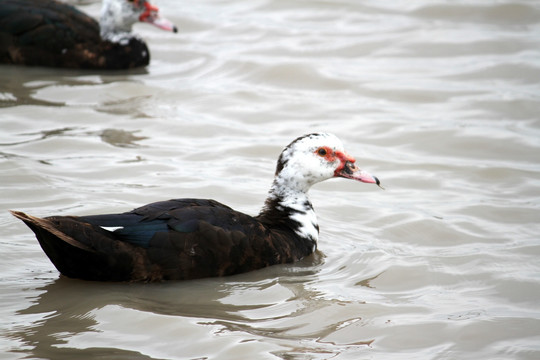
(287, 207)
(115, 24)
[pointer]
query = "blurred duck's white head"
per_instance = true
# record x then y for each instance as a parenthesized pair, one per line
(118, 16)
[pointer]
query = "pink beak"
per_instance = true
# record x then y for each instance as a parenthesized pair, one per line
(349, 170)
(150, 15)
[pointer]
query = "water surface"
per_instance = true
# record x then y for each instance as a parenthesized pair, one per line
(438, 99)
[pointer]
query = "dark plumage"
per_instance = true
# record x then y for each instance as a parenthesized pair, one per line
(54, 34)
(193, 238)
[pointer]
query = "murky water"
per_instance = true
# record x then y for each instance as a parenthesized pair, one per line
(439, 99)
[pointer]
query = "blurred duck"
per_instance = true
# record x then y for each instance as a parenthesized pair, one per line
(51, 33)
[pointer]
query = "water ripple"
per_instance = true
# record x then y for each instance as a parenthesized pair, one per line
(439, 100)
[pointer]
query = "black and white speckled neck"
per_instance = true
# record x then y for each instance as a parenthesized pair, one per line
(117, 19)
(299, 167)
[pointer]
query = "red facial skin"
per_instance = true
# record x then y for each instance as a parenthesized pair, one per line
(347, 168)
(331, 155)
(151, 16)
(150, 11)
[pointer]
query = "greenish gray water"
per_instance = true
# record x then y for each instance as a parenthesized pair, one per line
(439, 100)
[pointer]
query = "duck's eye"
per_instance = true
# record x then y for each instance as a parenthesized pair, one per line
(322, 151)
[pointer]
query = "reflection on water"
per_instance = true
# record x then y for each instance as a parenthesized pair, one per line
(118, 137)
(70, 317)
(439, 100)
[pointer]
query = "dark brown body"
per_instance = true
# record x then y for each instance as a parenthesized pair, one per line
(170, 240)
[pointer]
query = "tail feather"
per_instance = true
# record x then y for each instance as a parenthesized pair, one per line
(73, 258)
(46, 225)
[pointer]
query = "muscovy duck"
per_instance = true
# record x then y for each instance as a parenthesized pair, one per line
(194, 238)
(54, 34)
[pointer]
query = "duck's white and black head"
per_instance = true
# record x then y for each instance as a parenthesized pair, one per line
(119, 16)
(305, 162)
